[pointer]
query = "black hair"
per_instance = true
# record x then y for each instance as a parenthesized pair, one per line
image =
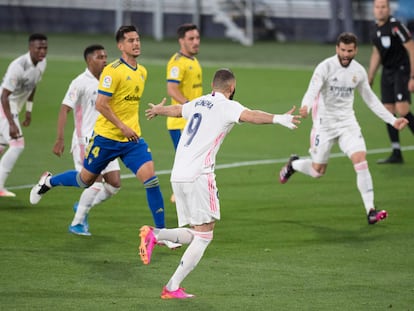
(91, 49)
(182, 29)
(347, 38)
(223, 78)
(123, 30)
(37, 36)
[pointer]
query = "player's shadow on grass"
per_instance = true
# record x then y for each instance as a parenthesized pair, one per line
(329, 234)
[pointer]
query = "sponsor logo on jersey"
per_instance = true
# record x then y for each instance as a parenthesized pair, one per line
(132, 97)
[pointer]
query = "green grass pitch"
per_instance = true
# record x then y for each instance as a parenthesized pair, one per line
(304, 245)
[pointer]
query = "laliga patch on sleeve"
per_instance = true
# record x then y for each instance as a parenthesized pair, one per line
(107, 82)
(174, 72)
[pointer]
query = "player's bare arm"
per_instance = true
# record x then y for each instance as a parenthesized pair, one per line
(59, 146)
(409, 45)
(29, 106)
(173, 91)
(102, 105)
(160, 109)
(374, 64)
(260, 117)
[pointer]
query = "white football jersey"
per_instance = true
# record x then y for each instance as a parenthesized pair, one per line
(21, 78)
(209, 119)
(331, 94)
(81, 97)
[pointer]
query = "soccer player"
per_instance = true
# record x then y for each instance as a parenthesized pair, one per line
(81, 97)
(117, 131)
(184, 77)
(330, 96)
(18, 89)
(393, 47)
(210, 119)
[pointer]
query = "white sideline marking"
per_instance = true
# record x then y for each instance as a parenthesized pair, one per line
(246, 163)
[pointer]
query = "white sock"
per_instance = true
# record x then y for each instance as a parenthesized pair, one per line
(85, 202)
(177, 235)
(305, 167)
(191, 258)
(365, 185)
(105, 193)
(7, 162)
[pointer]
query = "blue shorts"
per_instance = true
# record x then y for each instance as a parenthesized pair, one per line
(101, 151)
(175, 137)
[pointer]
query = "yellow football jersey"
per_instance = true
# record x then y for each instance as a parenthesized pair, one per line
(187, 73)
(125, 85)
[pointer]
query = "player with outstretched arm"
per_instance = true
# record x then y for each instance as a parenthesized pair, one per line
(330, 96)
(210, 119)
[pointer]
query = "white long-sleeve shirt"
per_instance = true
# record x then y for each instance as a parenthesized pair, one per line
(330, 94)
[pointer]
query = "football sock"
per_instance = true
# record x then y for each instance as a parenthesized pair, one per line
(105, 192)
(85, 202)
(410, 118)
(177, 235)
(191, 258)
(7, 162)
(155, 201)
(394, 136)
(80, 214)
(68, 178)
(365, 185)
(305, 166)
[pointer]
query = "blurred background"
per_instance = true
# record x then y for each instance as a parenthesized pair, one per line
(245, 21)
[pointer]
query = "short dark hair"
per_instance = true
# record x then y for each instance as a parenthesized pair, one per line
(91, 49)
(37, 36)
(182, 29)
(223, 78)
(347, 38)
(123, 30)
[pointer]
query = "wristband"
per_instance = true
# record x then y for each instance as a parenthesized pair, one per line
(276, 119)
(29, 106)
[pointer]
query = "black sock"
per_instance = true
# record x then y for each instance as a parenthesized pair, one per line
(410, 118)
(394, 136)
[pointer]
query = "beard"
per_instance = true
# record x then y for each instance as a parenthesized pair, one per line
(232, 94)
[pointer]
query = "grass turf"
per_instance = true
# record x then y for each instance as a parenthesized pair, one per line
(305, 245)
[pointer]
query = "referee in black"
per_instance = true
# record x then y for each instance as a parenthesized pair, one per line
(393, 48)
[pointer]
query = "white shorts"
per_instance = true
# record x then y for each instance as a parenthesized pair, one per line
(5, 128)
(349, 139)
(197, 202)
(78, 154)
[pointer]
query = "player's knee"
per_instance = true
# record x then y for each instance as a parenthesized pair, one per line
(110, 189)
(363, 165)
(318, 173)
(205, 237)
(81, 183)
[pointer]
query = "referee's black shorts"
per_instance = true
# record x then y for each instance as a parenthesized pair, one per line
(394, 85)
